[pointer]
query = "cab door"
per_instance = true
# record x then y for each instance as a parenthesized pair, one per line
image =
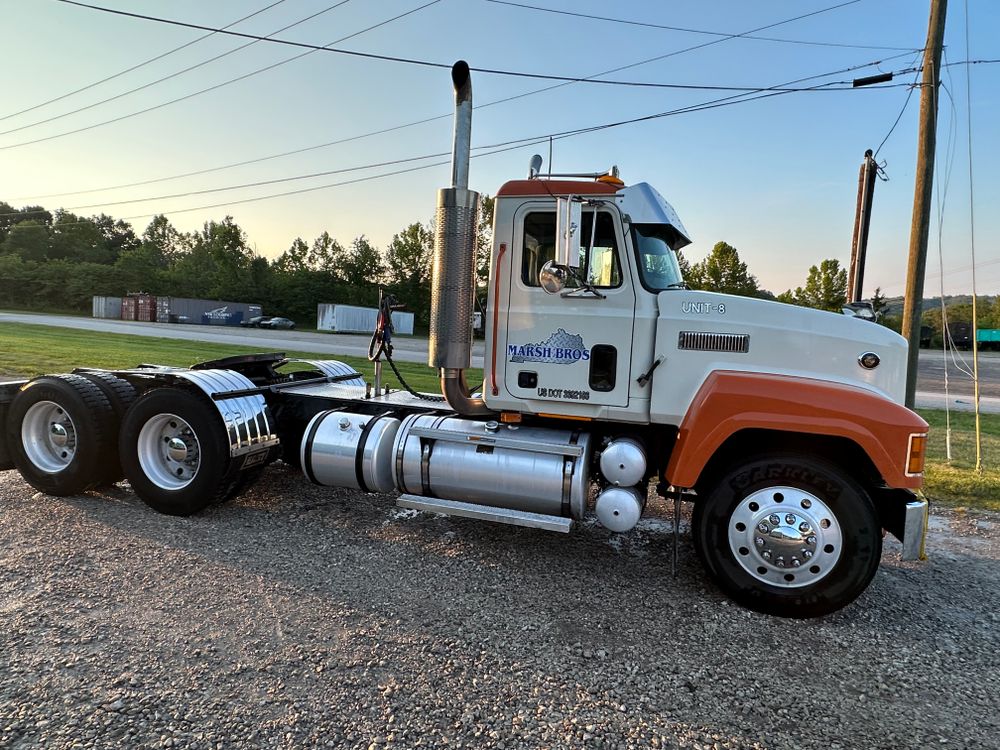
(574, 346)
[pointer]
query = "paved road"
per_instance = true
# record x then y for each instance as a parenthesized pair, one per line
(930, 382)
(406, 348)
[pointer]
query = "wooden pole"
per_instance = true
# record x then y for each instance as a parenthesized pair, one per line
(922, 197)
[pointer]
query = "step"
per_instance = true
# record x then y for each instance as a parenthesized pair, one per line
(486, 513)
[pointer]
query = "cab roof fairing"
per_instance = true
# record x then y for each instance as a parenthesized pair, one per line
(644, 205)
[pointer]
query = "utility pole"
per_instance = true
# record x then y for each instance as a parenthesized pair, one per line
(920, 223)
(862, 222)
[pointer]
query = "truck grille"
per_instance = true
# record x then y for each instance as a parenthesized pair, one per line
(702, 341)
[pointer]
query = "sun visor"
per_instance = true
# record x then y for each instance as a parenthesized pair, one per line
(646, 206)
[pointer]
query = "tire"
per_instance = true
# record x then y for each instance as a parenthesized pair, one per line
(60, 432)
(174, 449)
(121, 395)
(788, 535)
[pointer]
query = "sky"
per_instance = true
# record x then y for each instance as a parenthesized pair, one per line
(777, 177)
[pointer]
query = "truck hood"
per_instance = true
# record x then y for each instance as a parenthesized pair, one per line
(770, 337)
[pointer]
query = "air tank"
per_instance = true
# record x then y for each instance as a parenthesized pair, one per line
(623, 462)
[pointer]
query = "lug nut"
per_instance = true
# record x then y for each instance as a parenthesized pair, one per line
(766, 554)
(759, 541)
(779, 561)
(774, 520)
(807, 553)
(795, 562)
(803, 527)
(811, 540)
(762, 527)
(789, 519)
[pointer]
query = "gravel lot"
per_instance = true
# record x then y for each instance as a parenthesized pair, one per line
(299, 617)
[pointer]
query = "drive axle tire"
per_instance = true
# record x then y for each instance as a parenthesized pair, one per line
(60, 433)
(175, 451)
(788, 535)
(121, 395)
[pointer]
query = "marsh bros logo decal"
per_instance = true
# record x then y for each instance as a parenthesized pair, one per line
(560, 348)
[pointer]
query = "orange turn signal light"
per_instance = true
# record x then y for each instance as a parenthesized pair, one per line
(510, 417)
(916, 454)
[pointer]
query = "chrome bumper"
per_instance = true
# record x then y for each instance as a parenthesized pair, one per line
(915, 529)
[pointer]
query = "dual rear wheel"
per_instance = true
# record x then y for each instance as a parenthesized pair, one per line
(72, 433)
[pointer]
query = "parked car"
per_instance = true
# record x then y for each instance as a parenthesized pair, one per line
(278, 323)
(256, 321)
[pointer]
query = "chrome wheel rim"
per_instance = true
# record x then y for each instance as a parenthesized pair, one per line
(169, 452)
(785, 537)
(48, 436)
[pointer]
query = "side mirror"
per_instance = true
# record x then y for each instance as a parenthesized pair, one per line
(552, 277)
(569, 217)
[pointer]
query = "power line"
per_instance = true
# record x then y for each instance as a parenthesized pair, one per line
(909, 95)
(175, 74)
(711, 104)
(499, 148)
(564, 80)
(313, 48)
(138, 65)
(695, 31)
(490, 71)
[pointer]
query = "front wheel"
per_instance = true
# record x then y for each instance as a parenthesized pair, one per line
(787, 535)
(175, 452)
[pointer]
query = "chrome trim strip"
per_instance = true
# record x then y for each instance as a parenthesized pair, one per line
(496, 441)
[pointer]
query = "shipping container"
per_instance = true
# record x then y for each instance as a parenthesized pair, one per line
(204, 311)
(352, 319)
(139, 307)
(988, 338)
(106, 307)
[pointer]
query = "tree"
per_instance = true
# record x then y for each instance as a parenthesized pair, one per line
(826, 287)
(363, 264)
(878, 301)
(723, 271)
(76, 238)
(168, 241)
(294, 259)
(28, 239)
(484, 240)
(326, 254)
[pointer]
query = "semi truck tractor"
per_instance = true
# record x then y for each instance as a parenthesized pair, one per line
(605, 379)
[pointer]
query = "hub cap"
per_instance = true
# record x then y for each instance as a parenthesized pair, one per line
(48, 436)
(785, 537)
(169, 452)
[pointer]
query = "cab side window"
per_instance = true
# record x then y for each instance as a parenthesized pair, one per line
(602, 268)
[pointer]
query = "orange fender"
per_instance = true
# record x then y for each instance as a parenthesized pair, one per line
(730, 401)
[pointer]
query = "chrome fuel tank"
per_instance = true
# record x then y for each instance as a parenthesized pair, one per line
(525, 468)
(341, 449)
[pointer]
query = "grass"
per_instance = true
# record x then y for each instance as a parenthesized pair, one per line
(956, 482)
(28, 350)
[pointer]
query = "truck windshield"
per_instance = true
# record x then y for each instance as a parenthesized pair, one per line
(657, 261)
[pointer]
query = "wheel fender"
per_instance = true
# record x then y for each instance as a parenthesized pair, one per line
(730, 401)
(334, 368)
(248, 419)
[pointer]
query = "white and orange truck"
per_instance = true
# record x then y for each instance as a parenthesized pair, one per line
(604, 376)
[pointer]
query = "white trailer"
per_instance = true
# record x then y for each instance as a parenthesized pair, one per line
(353, 319)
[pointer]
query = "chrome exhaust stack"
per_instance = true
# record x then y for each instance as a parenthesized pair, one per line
(453, 284)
